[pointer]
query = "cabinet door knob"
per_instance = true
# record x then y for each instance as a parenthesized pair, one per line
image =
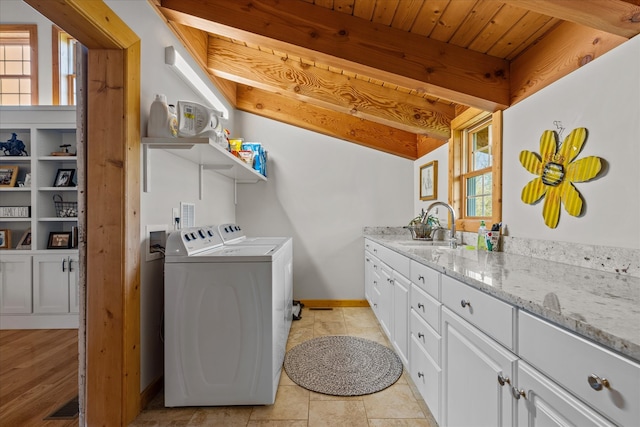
(420, 375)
(503, 380)
(465, 303)
(64, 265)
(421, 305)
(518, 393)
(597, 383)
(421, 278)
(420, 335)
(70, 265)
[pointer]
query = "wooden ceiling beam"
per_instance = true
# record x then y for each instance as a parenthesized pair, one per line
(568, 47)
(619, 17)
(317, 119)
(356, 45)
(329, 89)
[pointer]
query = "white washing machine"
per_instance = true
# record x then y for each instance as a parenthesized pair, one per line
(226, 322)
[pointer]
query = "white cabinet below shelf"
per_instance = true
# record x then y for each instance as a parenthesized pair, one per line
(205, 153)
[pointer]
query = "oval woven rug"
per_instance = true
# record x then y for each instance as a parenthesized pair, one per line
(342, 365)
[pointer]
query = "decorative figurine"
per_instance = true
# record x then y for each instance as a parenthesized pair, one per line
(13, 146)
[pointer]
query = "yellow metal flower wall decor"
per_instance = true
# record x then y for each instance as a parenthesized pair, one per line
(557, 172)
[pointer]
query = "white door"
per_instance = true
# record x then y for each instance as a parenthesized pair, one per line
(472, 364)
(543, 403)
(400, 311)
(51, 283)
(15, 284)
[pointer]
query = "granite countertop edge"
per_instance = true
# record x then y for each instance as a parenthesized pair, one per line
(626, 346)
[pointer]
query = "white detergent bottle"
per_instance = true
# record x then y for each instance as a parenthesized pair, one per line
(482, 237)
(162, 121)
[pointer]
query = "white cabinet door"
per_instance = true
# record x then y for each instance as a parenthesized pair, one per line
(385, 303)
(15, 284)
(543, 403)
(400, 323)
(74, 298)
(472, 363)
(51, 283)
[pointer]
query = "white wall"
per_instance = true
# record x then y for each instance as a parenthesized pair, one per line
(441, 155)
(322, 191)
(604, 97)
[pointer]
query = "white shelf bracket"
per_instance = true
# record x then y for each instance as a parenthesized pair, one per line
(145, 168)
(201, 178)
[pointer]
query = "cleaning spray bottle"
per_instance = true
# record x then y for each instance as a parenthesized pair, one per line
(482, 237)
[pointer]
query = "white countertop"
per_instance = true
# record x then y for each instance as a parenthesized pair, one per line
(601, 306)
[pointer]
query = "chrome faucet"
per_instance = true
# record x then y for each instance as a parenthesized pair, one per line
(452, 241)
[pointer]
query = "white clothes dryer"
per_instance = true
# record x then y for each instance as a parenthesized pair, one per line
(226, 325)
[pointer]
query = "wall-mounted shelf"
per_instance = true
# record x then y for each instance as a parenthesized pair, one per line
(205, 153)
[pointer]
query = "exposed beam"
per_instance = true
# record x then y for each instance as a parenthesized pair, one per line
(425, 144)
(327, 122)
(564, 50)
(619, 17)
(329, 89)
(356, 45)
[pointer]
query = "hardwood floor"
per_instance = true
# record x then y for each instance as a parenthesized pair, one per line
(38, 374)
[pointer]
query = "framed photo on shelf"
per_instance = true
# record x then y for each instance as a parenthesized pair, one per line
(8, 175)
(429, 181)
(64, 178)
(59, 240)
(5, 239)
(25, 240)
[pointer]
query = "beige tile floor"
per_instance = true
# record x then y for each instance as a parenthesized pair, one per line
(397, 406)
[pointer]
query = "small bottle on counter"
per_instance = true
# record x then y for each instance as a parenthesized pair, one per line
(482, 237)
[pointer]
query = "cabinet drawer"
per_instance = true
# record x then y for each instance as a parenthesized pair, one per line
(487, 313)
(428, 338)
(396, 261)
(425, 306)
(427, 278)
(570, 360)
(427, 376)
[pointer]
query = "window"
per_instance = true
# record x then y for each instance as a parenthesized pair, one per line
(64, 68)
(18, 64)
(475, 172)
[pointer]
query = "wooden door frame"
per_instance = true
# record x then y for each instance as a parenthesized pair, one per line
(111, 392)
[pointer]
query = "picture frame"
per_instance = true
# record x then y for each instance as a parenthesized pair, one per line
(429, 181)
(64, 178)
(5, 239)
(25, 240)
(8, 175)
(59, 240)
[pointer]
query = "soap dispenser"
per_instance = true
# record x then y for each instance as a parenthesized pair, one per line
(482, 237)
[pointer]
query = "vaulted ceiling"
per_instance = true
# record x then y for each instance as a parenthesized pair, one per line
(391, 74)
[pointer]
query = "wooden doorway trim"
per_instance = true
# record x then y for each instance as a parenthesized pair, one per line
(112, 235)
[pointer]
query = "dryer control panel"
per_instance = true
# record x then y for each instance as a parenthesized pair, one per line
(190, 241)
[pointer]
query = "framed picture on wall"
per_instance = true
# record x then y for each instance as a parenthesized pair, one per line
(429, 181)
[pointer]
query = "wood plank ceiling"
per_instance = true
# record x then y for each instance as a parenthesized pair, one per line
(391, 74)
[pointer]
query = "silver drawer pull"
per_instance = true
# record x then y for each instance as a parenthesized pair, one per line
(421, 278)
(420, 335)
(597, 383)
(421, 305)
(465, 303)
(503, 380)
(518, 393)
